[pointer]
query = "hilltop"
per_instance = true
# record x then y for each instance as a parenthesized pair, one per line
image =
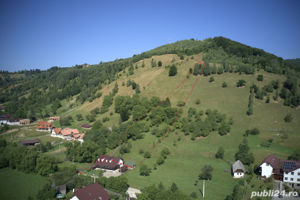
(113, 96)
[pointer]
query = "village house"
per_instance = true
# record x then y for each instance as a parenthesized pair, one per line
(91, 192)
(24, 121)
(44, 126)
(68, 133)
(54, 118)
(4, 119)
(78, 137)
(291, 173)
(287, 171)
(61, 191)
(271, 166)
(9, 120)
(56, 132)
(109, 162)
(238, 169)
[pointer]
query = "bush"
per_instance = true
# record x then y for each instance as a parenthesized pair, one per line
(147, 155)
(241, 83)
(288, 118)
(220, 153)
(206, 172)
(144, 170)
(105, 119)
(268, 99)
(79, 117)
(211, 79)
(254, 131)
(224, 85)
(172, 70)
(197, 101)
(260, 77)
(160, 160)
(159, 63)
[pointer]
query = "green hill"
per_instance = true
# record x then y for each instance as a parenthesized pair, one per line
(113, 95)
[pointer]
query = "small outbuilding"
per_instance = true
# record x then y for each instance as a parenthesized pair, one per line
(30, 142)
(238, 169)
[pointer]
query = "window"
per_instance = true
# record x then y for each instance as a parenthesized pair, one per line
(298, 173)
(285, 178)
(298, 179)
(292, 179)
(292, 173)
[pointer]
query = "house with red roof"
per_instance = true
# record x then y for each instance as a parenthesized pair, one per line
(44, 126)
(91, 192)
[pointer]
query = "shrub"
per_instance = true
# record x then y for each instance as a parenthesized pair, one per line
(160, 160)
(147, 155)
(159, 63)
(211, 79)
(172, 70)
(260, 77)
(241, 83)
(197, 101)
(144, 170)
(288, 118)
(224, 85)
(220, 153)
(254, 131)
(105, 119)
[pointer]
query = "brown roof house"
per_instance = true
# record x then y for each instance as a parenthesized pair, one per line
(238, 169)
(91, 192)
(287, 171)
(109, 162)
(271, 166)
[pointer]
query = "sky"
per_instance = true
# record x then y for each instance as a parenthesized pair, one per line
(39, 34)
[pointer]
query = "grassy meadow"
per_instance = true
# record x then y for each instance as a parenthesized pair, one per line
(187, 157)
(15, 185)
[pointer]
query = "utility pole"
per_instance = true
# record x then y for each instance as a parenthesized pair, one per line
(203, 188)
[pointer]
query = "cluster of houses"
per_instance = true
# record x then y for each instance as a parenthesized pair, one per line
(287, 171)
(10, 120)
(96, 191)
(66, 133)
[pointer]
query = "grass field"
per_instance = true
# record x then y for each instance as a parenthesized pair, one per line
(187, 158)
(15, 185)
(184, 164)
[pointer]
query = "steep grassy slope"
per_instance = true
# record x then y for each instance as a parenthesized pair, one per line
(187, 157)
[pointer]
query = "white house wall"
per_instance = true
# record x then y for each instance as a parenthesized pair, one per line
(266, 170)
(288, 177)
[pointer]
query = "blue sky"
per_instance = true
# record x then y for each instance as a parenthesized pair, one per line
(45, 33)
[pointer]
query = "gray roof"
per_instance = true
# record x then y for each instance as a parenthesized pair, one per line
(238, 165)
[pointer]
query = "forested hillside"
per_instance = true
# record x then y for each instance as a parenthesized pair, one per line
(182, 112)
(37, 94)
